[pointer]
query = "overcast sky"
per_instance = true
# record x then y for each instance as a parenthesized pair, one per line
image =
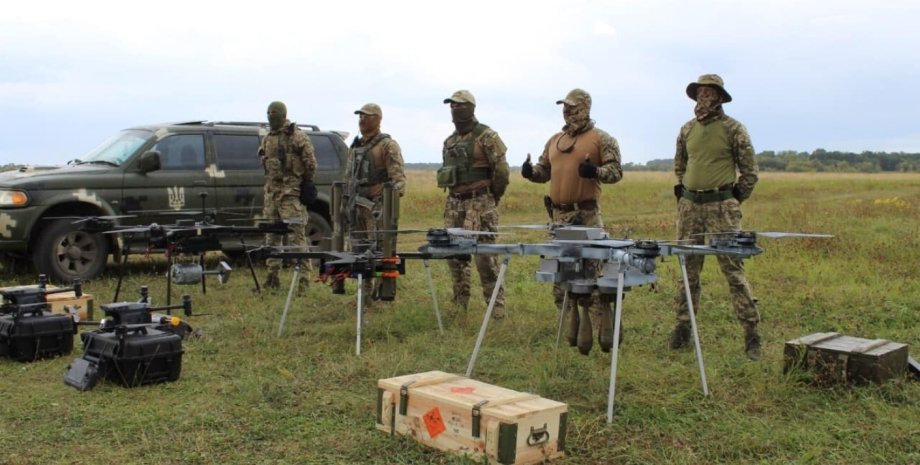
(839, 75)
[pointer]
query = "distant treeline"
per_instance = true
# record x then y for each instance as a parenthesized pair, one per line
(818, 161)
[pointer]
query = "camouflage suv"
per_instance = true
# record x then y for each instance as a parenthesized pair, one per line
(156, 174)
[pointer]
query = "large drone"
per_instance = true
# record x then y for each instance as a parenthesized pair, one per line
(626, 263)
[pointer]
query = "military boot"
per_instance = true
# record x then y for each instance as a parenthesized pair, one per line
(752, 344)
(585, 336)
(680, 337)
(272, 281)
(303, 285)
(499, 313)
(572, 333)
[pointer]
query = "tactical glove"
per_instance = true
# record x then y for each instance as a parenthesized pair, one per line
(307, 192)
(678, 191)
(736, 193)
(586, 169)
(527, 168)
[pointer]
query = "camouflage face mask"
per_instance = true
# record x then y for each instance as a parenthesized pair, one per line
(576, 117)
(462, 113)
(277, 114)
(708, 104)
(368, 124)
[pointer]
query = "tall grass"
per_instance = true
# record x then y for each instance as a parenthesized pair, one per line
(247, 396)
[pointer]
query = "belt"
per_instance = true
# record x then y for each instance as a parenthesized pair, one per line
(589, 204)
(472, 194)
(709, 195)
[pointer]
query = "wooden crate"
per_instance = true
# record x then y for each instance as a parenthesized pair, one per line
(467, 417)
(59, 302)
(841, 359)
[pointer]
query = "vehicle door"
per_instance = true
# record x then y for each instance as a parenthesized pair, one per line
(174, 191)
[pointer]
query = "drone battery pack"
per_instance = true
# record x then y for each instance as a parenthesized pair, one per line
(142, 355)
(36, 335)
(470, 418)
(836, 359)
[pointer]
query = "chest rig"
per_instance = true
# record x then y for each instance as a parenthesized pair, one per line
(458, 162)
(364, 168)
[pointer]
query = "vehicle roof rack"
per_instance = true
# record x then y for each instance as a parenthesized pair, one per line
(311, 127)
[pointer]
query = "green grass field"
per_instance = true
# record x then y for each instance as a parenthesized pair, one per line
(246, 396)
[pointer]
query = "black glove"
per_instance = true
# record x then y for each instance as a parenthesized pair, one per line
(307, 192)
(678, 191)
(736, 193)
(527, 168)
(586, 169)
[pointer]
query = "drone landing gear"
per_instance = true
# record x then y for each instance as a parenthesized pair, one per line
(488, 316)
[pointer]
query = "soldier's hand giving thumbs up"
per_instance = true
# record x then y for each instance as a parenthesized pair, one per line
(586, 169)
(527, 168)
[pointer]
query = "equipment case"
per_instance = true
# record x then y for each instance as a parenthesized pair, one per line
(840, 359)
(468, 417)
(35, 334)
(137, 355)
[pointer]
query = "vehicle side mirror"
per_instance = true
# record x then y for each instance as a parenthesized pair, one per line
(150, 161)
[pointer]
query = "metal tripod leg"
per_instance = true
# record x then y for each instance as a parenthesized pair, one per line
(290, 296)
(615, 351)
(565, 301)
(696, 334)
(360, 314)
(121, 272)
(434, 296)
(252, 269)
(488, 315)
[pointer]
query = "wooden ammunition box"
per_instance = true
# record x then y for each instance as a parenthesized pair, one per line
(467, 417)
(834, 358)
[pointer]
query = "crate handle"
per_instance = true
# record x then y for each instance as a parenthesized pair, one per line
(537, 435)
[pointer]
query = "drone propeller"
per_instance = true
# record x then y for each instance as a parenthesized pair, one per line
(776, 234)
(84, 219)
(769, 234)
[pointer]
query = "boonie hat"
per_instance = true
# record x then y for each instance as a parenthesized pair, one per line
(709, 80)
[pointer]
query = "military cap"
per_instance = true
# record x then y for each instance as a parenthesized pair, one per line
(709, 80)
(461, 96)
(370, 109)
(576, 97)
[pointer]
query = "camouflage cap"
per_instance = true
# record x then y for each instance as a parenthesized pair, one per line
(576, 97)
(370, 109)
(709, 80)
(461, 96)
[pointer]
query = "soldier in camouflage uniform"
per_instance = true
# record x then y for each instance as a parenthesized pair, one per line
(373, 159)
(576, 161)
(287, 156)
(475, 173)
(711, 149)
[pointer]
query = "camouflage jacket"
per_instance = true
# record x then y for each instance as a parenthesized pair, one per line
(287, 156)
(387, 160)
(741, 149)
(491, 146)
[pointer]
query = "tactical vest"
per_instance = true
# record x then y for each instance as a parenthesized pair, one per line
(458, 161)
(363, 166)
(710, 163)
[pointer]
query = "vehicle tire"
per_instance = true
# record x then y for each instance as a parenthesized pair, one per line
(317, 229)
(63, 252)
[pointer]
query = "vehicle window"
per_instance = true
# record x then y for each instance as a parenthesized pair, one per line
(119, 147)
(327, 158)
(237, 152)
(181, 152)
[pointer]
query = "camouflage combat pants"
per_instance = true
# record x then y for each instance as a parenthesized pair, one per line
(287, 207)
(476, 214)
(597, 303)
(721, 216)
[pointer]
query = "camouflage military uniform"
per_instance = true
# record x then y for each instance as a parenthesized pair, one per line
(575, 201)
(711, 148)
(380, 161)
(287, 156)
(472, 200)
